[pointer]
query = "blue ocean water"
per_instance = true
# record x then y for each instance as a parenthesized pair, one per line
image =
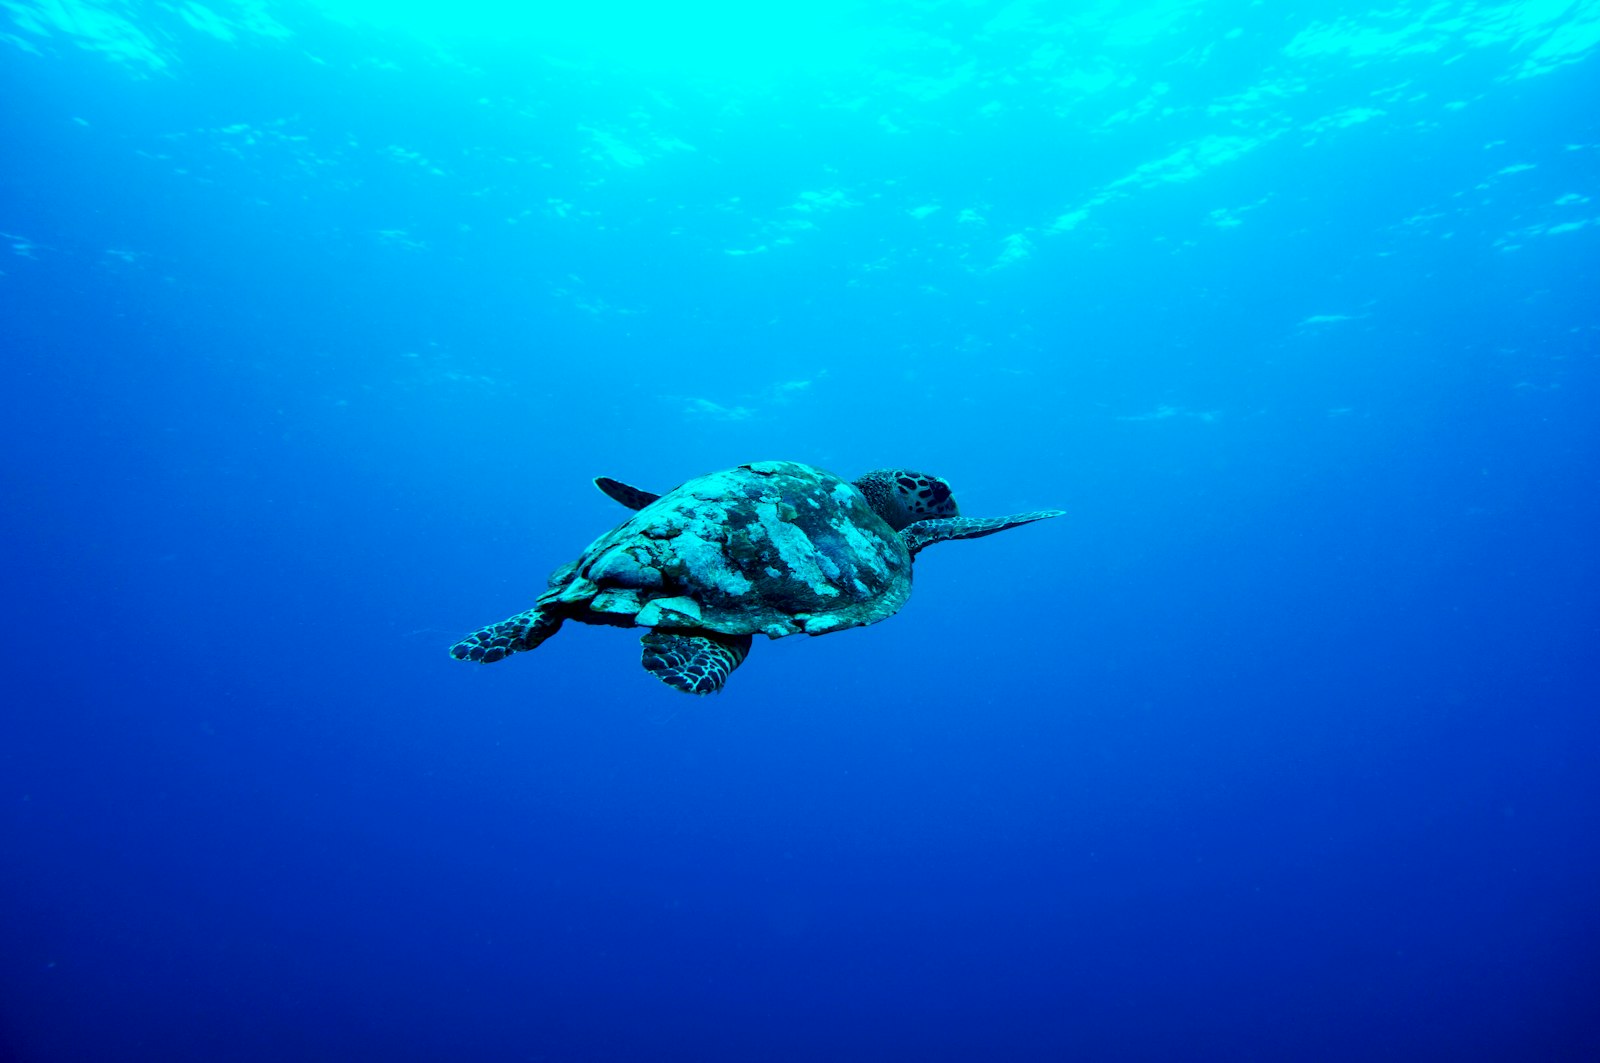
(319, 318)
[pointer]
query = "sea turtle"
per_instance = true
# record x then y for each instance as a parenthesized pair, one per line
(773, 548)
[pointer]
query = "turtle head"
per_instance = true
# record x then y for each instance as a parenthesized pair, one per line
(902, 497)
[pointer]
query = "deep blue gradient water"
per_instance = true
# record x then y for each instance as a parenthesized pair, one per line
(1282, 744)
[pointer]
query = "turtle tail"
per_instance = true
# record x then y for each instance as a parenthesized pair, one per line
(497, 641)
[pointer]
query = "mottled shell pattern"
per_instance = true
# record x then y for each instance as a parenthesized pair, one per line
(773, 547)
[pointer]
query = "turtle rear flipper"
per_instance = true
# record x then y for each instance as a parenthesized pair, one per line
(927, 532)
(497, 641)
(696, 662)
(628, 495)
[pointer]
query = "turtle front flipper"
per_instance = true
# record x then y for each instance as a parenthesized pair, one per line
(497, 641)
(927, 532)
(695, 662)
(617, 491)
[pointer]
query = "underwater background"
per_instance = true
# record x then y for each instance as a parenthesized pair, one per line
(319, 318)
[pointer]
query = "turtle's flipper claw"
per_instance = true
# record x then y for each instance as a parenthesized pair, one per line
(498, 641)
(695, 663)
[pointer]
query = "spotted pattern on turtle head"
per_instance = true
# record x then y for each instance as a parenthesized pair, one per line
(902, 496)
